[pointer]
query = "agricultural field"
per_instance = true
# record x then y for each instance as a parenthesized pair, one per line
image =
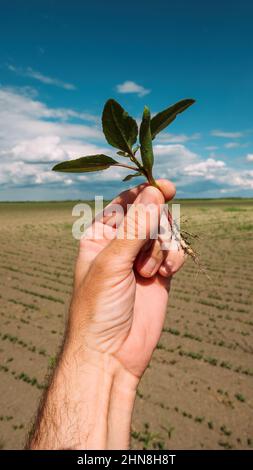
(198, 391)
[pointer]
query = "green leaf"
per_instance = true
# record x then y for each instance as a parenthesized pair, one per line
(146, 141)
(84, 164)
(164, 118)
(129, 177)
(119, 128)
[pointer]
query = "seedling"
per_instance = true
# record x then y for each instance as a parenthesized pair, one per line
(121, 131)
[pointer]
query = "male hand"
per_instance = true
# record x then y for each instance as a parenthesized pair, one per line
(116, 317)
(121, 285)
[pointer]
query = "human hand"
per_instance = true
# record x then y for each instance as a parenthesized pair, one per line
(116, 318)
(121, 285)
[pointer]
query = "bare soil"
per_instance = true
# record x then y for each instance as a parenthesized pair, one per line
(198, 391)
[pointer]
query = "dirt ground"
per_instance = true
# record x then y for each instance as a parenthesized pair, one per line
(198, 391)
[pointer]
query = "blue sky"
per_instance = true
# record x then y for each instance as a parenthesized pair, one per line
(60, 61)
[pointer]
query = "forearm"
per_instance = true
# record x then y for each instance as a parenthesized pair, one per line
(88, 405)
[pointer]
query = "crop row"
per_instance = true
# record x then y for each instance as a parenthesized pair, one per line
(33, 381)
(199, 356)
(15, 340)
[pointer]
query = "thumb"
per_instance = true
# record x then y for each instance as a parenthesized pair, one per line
(140, 223)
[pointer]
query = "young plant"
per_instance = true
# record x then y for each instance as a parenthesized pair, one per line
(121, 131)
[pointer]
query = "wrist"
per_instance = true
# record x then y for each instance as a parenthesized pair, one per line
(109, 391)
(94, 362)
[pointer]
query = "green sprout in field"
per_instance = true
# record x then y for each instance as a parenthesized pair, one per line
(121, 131)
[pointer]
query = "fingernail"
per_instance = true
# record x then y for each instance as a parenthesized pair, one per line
(149, 266)
(168, 265)
(165, 273)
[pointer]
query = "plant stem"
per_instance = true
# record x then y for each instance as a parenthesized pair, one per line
(136, 161)
(149, 176)
(127, 166)
(152, 181)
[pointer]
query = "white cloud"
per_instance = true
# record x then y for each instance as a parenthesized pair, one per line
(211, 147)
(250, 157)
(31, 132)
(16, 173)
(239, 179)
(34, 135)
(227, 135)
(177, 138)
(204, 168)
(232, 145)
(171, 159)
(132, 87)
(23, 99)
(39, 149)
(24, 117)
(180, 164)
(177, 151)
(31, 73)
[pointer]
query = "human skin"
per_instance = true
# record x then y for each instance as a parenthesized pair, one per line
(115, 321)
